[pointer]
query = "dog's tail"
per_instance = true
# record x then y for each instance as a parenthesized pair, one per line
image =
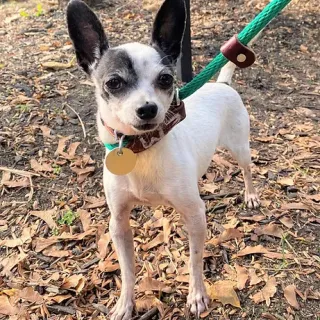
(227, 71)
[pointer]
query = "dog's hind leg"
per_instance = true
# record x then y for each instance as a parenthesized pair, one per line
(250, 196)
(236, 140)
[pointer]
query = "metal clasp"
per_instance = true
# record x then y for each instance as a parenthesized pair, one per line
(120, 152)
(176, 98)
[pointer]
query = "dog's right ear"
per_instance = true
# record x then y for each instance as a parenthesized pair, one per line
(86, 33)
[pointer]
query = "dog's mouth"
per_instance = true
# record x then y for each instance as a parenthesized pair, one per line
(146, 127)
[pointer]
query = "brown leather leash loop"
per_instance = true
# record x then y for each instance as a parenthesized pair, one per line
(241, 55)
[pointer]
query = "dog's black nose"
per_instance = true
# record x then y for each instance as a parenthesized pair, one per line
(147, 111)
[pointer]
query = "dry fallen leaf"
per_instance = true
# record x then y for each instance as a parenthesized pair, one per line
(166, 230)
(159, 239)
(37, 167)
(294, 206)
(149, 284)
(61, 145)
(53, 65)
(210, 187)
(46, 216)
(268, 316)
(82, 173)
(45, 131)
(108, 266)
(286, 181)
(290, 295)
(148, 302)
(242, 276)
(72, 149)
(30, 295)
(85, 219)
(205, 314)
(103, 245)
(60, 298)
(6, 308)
(19, 183)
(95, 203)
(75, 281)
(278, 255)
(12, 243)
(267, 292)
(314, 197)
(223, 291)
(226, 235)
(42, 243)
(264, 138)
(9, 263)
(254, 278)
(182, 278)
(287, 221)
(221, 161)
(303, 48)
(255, 218)
(251, 250)
(55, 252)
(270, 229)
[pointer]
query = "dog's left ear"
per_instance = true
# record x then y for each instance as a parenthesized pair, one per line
(168, 28)
(86, 33)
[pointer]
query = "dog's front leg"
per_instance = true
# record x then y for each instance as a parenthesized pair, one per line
(195, 220)
(122, 238)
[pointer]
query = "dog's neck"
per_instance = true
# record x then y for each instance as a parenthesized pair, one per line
(141, 142)
(105, 135)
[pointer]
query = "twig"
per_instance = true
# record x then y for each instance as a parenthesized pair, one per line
(69, 73)
(51, 190)
(217, 207)
(310, 93)
(62, 309)
(149, 314)
(19, 172)
(225, 255)
(101, 308)
(219, 196)
(30, 194)
(77, 114)
(24, 174)
(90, 263)
(273, 269)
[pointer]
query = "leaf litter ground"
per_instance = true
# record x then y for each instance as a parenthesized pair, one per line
(57, 260)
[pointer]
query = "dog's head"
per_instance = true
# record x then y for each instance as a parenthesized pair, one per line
(134, 82)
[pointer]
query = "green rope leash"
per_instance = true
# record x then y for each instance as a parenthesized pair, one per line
(245, 36)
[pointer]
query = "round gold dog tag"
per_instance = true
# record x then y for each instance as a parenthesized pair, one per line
(121, 163)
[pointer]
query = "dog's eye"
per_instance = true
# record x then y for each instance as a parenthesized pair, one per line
(114, 83)
(165, 81)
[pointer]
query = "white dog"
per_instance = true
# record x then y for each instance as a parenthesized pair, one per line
(134, 90)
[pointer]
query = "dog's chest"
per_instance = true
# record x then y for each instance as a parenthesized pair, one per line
(147, 191)
(146, 185)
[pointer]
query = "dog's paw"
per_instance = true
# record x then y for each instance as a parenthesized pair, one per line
(198, 300)
(122, 310)
(252, 200)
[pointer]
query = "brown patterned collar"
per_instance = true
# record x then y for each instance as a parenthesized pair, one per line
(139, 143)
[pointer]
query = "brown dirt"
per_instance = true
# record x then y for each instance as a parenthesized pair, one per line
(281, 92)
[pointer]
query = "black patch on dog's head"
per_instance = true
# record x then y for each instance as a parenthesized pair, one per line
(117, 63)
